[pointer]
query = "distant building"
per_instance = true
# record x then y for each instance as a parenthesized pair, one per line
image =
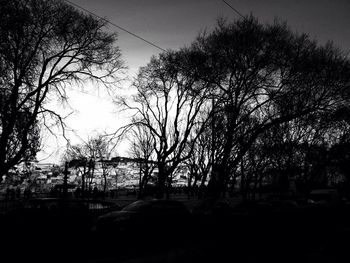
(121, 172)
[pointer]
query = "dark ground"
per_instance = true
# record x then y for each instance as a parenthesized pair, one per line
(305, 235)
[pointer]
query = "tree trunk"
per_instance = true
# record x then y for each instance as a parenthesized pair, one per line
(161, 181)
(140, 183)
(83, 182)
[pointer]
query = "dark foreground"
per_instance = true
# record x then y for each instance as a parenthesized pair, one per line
(303, 234)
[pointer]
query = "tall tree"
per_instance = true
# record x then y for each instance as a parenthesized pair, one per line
(169, 105)
(45, 46)
(262, 76)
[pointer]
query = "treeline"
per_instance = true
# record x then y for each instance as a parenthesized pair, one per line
(247, 103)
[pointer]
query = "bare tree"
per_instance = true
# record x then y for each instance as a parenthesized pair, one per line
(262, 76)
(200, 161)
(142, 150)
(100, 152)
(169, 105)
(45, 46)
(75, 157)
(87, 156)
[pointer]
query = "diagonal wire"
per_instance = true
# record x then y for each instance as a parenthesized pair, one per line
(115, 25)
(234, 9)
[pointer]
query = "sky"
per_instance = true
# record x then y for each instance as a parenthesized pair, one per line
(173, 24)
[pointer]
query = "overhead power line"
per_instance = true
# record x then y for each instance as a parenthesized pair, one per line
(234, 9)
(131, 33)
(115, 25)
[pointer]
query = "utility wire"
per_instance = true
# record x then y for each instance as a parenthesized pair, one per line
(131, 33)
(234, 9)
(115, 25)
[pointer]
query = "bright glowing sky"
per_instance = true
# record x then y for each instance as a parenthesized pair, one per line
(172, 24)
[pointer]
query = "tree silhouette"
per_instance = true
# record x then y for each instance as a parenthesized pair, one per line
(169, 105)
(142, 150)
(262, 76)
(46, 46)
(239, 81)
(86, 158)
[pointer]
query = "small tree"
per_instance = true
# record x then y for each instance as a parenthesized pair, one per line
(84, 157)
(200, 161)
(142, 150)
(99, 151)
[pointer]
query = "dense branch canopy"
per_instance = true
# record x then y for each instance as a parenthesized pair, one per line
(46, 46)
